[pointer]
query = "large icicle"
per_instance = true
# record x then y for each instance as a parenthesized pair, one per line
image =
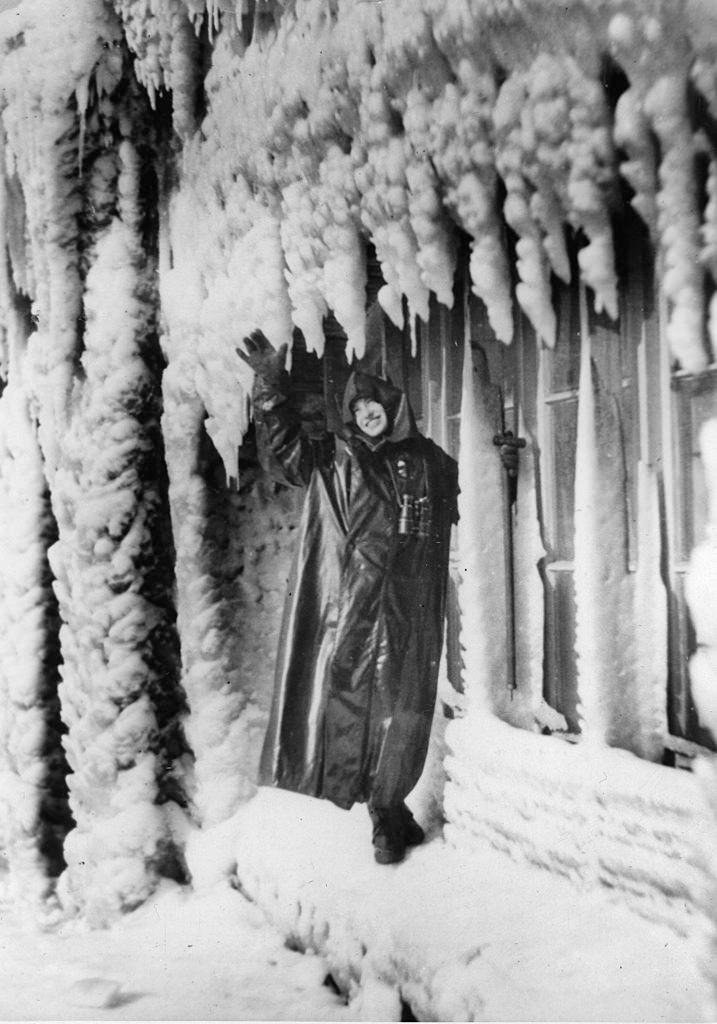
(381, 167)
(455, 129)
(164, 42)
(118, 628)
(649, 615)
(632, 133)
(248, 291)
(588, 575)
(678, 221)
(603, 586)
(42, 148)
(33, 795)
(223, 716)
(344, 269)
(28, 711)
(414, 71)
(533, 290)
(41, 163)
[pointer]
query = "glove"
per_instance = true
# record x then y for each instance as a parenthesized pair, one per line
(266, 361)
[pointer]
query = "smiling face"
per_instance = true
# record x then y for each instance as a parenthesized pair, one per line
(370, 417)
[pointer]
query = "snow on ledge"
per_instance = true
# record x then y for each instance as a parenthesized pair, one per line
(457, 935)
(598, 816)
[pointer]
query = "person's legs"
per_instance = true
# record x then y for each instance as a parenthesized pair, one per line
(394, 828)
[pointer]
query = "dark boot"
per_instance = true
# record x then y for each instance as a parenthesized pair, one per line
(412, 831)
(389, 841)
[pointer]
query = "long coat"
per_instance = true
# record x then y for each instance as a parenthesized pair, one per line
(362, 630)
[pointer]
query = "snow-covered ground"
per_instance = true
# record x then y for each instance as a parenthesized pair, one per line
(462, 934)
(181, 956)
(455, 935)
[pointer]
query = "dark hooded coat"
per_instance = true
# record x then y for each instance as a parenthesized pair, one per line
(362, 631)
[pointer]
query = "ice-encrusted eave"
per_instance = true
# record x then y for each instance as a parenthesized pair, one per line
(329, 124)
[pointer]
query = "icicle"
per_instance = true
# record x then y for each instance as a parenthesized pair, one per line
(455, 129)
(649, 615)
(224, 722)
(545, 123)
(27, 706)
(221, 303)
(112, 660)
(344, 284)
(546, 210)
(588, 581)
(632, 133)
(182, 73)
(490, 279)
(436, 246)
(590, 178)
(604, 641)
(533, 290)
(381, 182)
(213, 17)
(82, 95)
(682, 279)
(304, 253)
(482, 590)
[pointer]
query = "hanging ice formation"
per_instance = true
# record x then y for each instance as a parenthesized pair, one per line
(348, 121)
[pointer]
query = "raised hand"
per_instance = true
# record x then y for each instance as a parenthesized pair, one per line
(266, 361)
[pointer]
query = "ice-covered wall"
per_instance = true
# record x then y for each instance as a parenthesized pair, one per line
(412, 119)
(298, 137)
(597, 815)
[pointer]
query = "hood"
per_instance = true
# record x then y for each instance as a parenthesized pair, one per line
(401, 423)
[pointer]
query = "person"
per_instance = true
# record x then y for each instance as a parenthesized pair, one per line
(362, 630)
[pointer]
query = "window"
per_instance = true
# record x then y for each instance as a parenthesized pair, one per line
(560, 377)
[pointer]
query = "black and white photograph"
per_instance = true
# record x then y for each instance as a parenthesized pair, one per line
(358, 510)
